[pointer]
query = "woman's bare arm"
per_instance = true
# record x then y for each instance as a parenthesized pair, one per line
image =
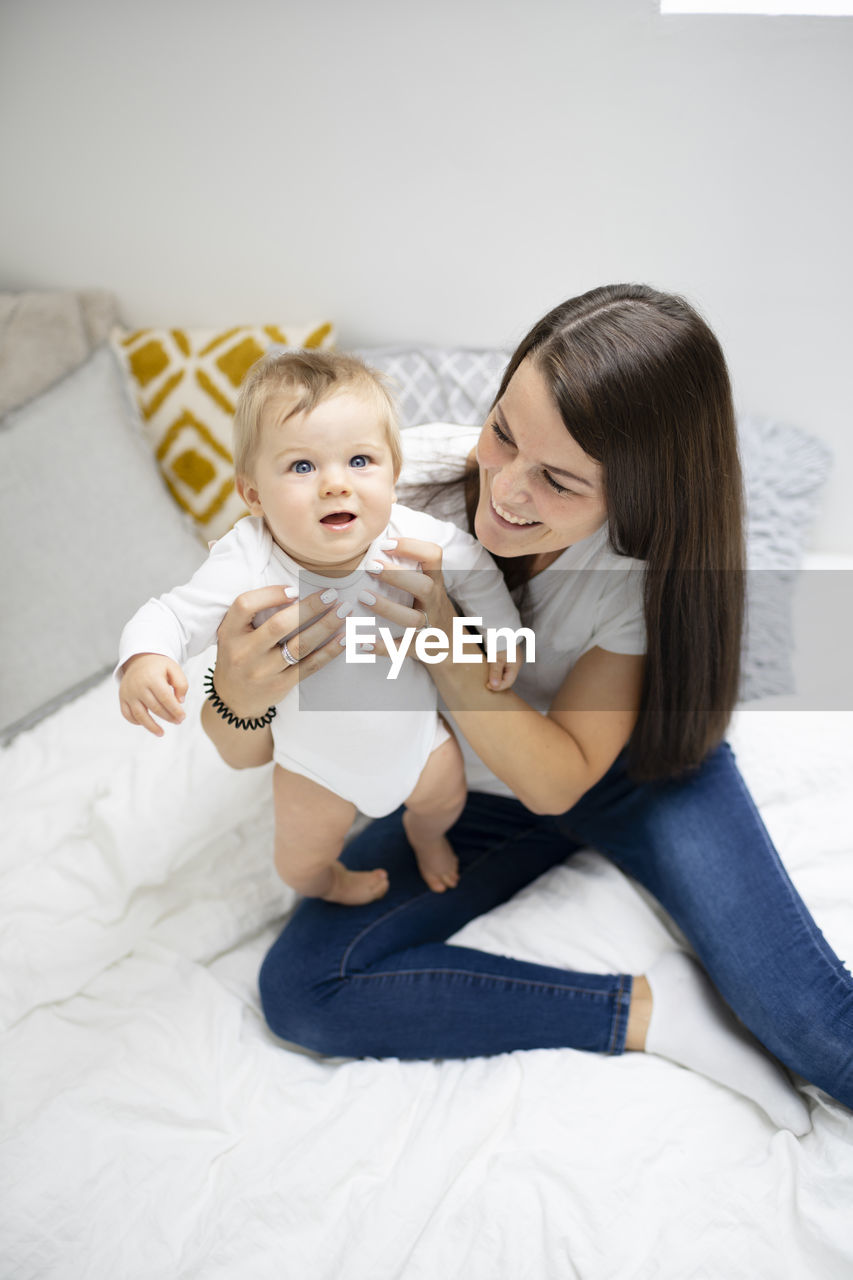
(241, 748)
(548, 761)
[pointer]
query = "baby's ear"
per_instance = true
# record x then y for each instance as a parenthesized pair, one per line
(249, 493)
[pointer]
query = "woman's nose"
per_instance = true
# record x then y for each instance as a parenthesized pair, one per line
(509, 485)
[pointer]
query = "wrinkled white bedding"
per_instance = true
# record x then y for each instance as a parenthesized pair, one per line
(152, 1127)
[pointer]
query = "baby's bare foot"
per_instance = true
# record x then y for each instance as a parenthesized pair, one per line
(353, 888)
(438, 865)
(437, 862)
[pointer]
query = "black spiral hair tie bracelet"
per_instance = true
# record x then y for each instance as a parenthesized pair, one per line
(257, 722)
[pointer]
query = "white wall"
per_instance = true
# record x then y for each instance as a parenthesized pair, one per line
(444, 171)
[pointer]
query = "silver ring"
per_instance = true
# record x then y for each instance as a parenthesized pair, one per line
(425, 622)
(287, 655)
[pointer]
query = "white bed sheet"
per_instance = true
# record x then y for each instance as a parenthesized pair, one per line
(152, 1126)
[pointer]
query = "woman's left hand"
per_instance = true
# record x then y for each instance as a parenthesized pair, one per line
(424, 581)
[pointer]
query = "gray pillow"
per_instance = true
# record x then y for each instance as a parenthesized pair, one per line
(440, 384)
(88, 533)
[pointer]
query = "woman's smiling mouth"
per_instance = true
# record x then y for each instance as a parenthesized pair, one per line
(506, 517)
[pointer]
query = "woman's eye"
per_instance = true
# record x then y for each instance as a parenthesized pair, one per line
(360, 460)
(302, 467)
(507, 440)
(560, 488)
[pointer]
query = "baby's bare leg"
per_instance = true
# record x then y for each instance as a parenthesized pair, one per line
(311, 824)
(431, 809)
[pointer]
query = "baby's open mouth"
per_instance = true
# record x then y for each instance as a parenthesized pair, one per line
(339, 519)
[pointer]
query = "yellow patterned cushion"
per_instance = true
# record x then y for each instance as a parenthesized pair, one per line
(185, 382)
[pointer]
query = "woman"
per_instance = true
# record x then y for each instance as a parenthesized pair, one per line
(611, 445)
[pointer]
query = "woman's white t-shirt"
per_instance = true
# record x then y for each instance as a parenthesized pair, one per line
(589, 597)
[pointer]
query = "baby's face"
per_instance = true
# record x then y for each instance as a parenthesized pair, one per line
(323, 481)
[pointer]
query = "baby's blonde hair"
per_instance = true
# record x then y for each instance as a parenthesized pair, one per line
(309, 378)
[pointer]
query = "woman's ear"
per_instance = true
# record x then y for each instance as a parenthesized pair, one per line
(249, 493)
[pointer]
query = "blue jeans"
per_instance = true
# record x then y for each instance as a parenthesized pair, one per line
(381, 981)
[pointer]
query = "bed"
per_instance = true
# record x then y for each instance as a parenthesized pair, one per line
(151, 1125)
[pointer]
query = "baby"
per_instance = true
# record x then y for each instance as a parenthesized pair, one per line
(317, 454)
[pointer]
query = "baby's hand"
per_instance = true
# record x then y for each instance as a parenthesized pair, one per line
(152, 683)
(503, 674)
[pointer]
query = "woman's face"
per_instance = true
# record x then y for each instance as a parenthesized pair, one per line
(539, 491)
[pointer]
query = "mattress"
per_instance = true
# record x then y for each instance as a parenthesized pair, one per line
(152, 1126)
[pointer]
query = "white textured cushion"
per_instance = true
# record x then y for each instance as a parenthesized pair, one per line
(785, 469)
(88, 533)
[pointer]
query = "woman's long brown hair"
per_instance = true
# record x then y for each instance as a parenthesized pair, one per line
(642, 386)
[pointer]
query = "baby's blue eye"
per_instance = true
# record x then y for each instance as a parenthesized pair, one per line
(360, 460)
(302, 467)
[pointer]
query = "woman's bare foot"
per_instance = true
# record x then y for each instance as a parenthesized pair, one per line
(436, 860)
(354, 888)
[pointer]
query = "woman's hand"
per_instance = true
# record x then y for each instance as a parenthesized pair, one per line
(253, 672)
(432, 606)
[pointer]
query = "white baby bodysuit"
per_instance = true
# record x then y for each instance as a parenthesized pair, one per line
(347, 727)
